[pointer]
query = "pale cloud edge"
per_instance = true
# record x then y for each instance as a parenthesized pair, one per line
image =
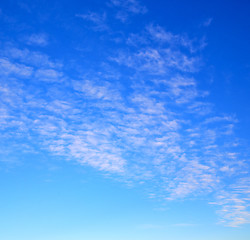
(40, 39)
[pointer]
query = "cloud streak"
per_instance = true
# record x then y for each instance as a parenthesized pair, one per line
(126, 8)
(98, 20)
(40, 39)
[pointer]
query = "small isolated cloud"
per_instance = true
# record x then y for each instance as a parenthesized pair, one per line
(207, 22)
(217, 119)
(160, 34)
(126, 7)
(98, 20)
(40, 39)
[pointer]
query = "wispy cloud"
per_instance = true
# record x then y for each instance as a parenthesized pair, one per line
(40, 39)
(234, 203)
(162, 36)
(207, 22)
(98, 20)
(132, 6)
(158, 61)
(127, 7)
(148, 54)
(9, 68)
(49, 75)
(29, 58)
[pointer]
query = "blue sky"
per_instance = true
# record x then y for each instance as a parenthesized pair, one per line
(124, 120)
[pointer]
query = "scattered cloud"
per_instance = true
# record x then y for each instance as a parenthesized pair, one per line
(40, 39)
(147, 52)
(30, 58)
(157, 61)
(160, 35)
(132, 6)
(217, 119)
(98, 20)
(48, 75)
(127, 7)
(9, 68)
(234, 203)
(104, 91)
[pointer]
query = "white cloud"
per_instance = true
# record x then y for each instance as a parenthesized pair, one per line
(31, 58)
(48, 75)
(10, 68)
(127, 7)
(40, 39)
(90, 88)
(147, 53)
(132, 6)
(98, 20)
(182, 89)
(234, 203)
(217, 119)
(161, 36)
(158, 61)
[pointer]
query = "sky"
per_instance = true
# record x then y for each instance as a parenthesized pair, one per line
(124, 119)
